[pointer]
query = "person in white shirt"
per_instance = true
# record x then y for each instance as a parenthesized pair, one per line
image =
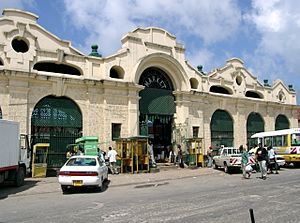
(112, 156)
(272, 160)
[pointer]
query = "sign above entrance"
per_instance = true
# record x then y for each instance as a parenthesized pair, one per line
(155, 78)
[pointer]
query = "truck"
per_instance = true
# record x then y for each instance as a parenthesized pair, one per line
(15, 153)
(228, 158)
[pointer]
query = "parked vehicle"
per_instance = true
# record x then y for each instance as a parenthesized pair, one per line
(15, 153)
(83, 171)
(228, 158)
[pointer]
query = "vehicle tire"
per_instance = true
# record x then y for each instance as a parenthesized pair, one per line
(214, 165)
(226, 168)
(297, 165)
(20, 177)
(64, 189)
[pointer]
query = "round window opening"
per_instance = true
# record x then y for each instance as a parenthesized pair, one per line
(238, 80)
(20, 45)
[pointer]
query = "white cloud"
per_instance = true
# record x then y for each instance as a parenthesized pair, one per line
(106, 22)
(203, 57)
(278, 23)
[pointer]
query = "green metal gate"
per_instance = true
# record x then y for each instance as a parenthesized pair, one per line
(221, 127)
(282, 122)
(157, 107)
(58, 121)
(255, 124)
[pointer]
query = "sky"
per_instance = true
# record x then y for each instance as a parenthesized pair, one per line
(264, 34)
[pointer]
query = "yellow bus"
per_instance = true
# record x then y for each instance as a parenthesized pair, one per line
(285, 142)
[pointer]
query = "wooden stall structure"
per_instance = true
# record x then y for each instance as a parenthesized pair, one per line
(195, 152)
(133, 152)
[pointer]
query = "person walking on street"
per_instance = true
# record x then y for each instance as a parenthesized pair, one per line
(180, 156)
(101, 155)
(262, 157)
(245, 162)
(272, 160)
(112, 156)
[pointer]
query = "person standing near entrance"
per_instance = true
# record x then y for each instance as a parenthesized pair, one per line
(151, 154)
(180, 156)
(112, 156)
(262, 157)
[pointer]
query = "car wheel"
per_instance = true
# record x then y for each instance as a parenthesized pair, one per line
(215, 166)
(64, 188)
(226, 168)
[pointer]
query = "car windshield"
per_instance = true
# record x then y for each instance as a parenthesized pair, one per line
(81, 161)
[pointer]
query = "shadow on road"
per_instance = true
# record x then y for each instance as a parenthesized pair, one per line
(85, 190)
(8, 188)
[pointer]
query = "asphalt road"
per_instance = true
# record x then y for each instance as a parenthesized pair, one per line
(210, 198)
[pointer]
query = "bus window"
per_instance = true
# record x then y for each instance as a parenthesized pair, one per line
(295, 140)
(267, 141)
(284, 140)
(278, 140)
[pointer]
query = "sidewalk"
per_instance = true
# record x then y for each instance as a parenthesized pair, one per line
(50, 184)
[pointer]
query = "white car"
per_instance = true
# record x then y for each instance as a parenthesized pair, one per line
(280, 160)
(83, 171)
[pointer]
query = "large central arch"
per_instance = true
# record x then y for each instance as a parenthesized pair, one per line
(157, 108)
(58, 121)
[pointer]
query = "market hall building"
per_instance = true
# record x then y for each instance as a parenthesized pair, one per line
(147, 88)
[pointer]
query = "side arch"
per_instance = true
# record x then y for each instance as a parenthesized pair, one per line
(255, 123)
(58, 121)
(221, 127)
(282, 122)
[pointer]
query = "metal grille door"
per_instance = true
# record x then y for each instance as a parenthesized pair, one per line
(57, 121)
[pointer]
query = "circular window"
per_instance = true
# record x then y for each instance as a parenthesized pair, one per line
(238, 80)
(20, 45)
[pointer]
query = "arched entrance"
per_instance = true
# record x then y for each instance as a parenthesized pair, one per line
(157, 108)
(221, 127)
(282, 122)
(255, 123)
(58, 121)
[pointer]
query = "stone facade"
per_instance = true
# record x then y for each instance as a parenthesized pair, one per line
(104, 99)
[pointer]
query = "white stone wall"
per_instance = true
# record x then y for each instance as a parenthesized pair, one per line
(104, 100)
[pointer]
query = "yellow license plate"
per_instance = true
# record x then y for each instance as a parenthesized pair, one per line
(77, 183)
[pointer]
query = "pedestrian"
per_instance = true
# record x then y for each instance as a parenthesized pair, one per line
(245, 162)
(101, 155)
(262, 157)
(69, 154)
(272, 160)
(172, 156)
(180, 156)
(151, 154)
(112, 156)
(209, 157)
